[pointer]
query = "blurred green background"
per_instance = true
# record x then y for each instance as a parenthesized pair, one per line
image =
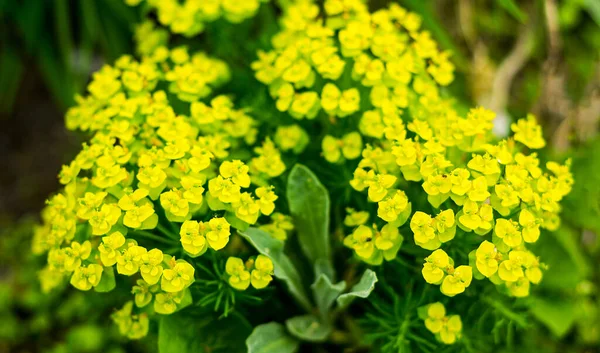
(515, 57)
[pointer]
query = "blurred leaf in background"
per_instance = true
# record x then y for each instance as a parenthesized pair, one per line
(64, 40)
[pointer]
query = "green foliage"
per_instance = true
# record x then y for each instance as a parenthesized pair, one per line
(271, 338)
(63, 40)
(309, 205)
(184, 333)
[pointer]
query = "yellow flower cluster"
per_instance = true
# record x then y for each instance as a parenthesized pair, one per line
(159, 163)
(256, 272)
(189, 17)
(447, 329)
(379, 81)
(372, 51)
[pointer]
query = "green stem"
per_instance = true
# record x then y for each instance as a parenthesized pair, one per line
(166, 232)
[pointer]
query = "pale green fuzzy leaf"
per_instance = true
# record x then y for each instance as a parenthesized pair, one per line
(271, 338)
(558, 315)
(360, 290)
(308, 328)
(309, 206)
(325, 293)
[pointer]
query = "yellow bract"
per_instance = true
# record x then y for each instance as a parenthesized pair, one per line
(446, 328)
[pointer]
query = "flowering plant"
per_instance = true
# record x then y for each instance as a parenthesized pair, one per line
(358, 158)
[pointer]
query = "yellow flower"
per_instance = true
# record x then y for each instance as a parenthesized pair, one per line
(176, 207)
(509, 232)
(178, 277)
(247, 208)
(528, 132)
(531, 226)
(84, 278)
(338, 103)
(457, 281)
(150, 266)
(422, 226)
(434, 266)
(109, 249)
(378, 188)
(266, 199)
(237, 171)
(193, 237)
(479, 190)
(218, 233)
(355, 218)
(451, 331)
(142, 292)
(130, 259)
(103, 219)
(167, 303)
(305, 105)
(291, 137)
(239, 277)
(224, 189)
(487, 256)
(75, 254)
(261, 276)
(391, 207)
(349, 146)
(436, 314)
(361, 240)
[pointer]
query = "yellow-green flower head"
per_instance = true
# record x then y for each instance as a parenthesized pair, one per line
(446, 328)
(348, 147)
(177, 277)
(528, 132)
(193, 237)
(435, 265)
(488, 258)
(262, 273)
(239, 276)
(143, 293)
(168, 303)
(279, 227)
(109, 248)
(457, 280)
(150, 267)
(133, 326)
(509, 231)
(75, 254)
(130, 258)
(291, 137)
(218, 233)
(476, 217)
(373, 245)
(86, 277)
(355, 218)
(430, 233)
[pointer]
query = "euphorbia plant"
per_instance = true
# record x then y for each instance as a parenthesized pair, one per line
(196, 205)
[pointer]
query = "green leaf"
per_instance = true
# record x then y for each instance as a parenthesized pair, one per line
(308, 328)
(185, 333)
(107, 281)
(284, 268)
(271, 338)
(236, 222)
(309, 205)
(325, 293)
(422, 312)
(593, 7)
(362, 289)
(558, 315)
(513, 9)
